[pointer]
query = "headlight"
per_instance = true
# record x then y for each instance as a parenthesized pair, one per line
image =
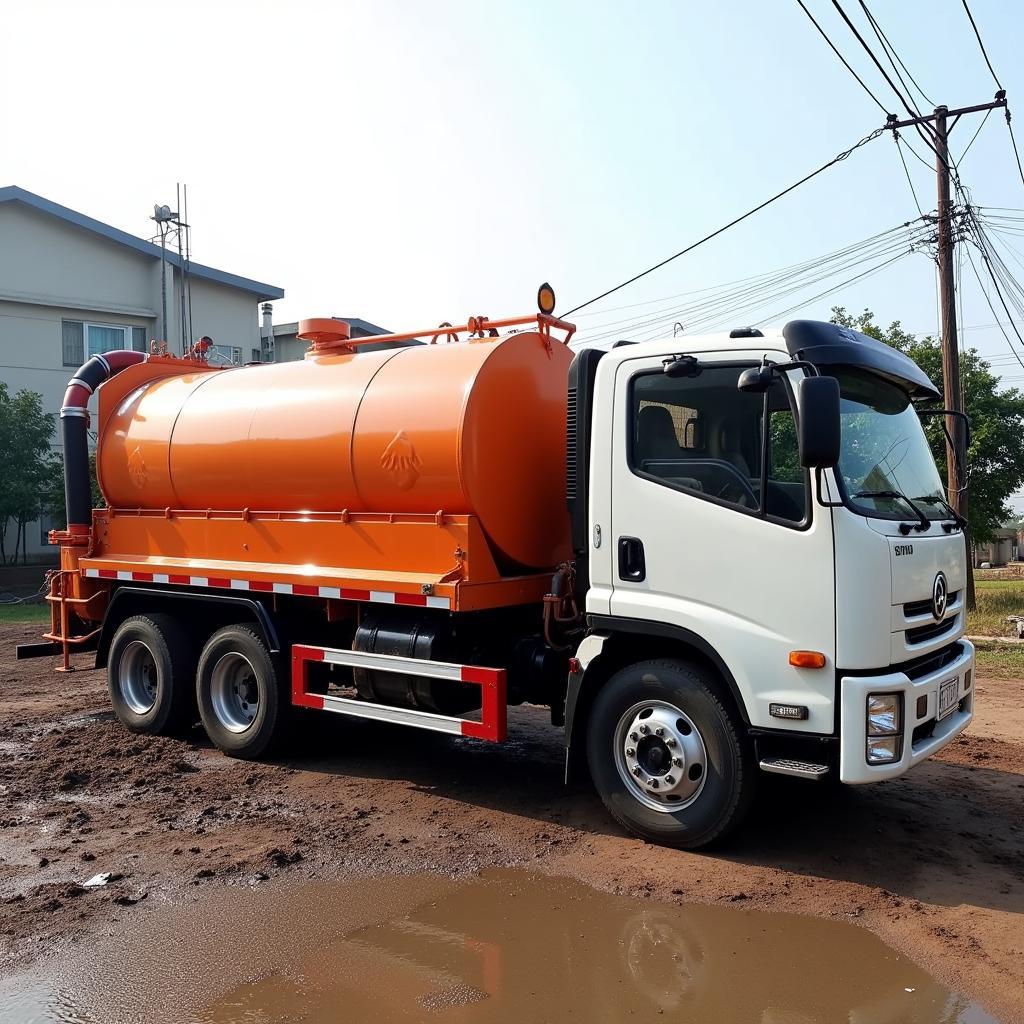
(883, 749)
(883, 714)
(884, 728)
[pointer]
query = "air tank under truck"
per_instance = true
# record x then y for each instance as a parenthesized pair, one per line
(704, 562)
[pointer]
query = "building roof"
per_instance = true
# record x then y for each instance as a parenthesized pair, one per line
(14, 194)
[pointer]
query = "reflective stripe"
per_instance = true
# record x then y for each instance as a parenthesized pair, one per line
(273, 587)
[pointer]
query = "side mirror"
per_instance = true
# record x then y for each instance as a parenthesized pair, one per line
(818, 399)
(756, 379)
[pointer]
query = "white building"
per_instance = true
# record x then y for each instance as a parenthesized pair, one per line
(71, 286)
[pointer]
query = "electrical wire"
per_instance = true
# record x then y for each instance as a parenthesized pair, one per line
(769, 289)
(846, 64)
(867, 49)
(999, 86)
(906, 171)
(891, 54)
(725, 227)
(979, 242)
(956, 163)
(742, 286)
(984, 53)
(777, 285)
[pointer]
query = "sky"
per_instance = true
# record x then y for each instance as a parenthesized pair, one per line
(411, 162)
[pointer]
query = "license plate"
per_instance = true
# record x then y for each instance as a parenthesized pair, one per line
(949, 697)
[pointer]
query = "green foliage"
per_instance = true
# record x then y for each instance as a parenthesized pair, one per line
(995, 466)
(27, 463)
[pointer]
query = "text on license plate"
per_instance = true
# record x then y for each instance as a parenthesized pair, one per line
(949, 692)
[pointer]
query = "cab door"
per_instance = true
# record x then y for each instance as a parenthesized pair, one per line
(714, 533)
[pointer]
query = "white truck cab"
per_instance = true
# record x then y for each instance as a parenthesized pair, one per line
(774, 581)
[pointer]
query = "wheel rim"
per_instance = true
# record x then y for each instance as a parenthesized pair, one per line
(136, 677)
(660, 756)
(234, 693)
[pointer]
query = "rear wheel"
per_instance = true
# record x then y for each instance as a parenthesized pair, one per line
(666, 755)
(239, 693)
(150, 674)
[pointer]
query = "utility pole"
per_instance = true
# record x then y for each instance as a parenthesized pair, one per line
(938, 126)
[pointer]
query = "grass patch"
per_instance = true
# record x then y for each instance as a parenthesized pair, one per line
(1001, 662)
(14, 613)
(996, 600)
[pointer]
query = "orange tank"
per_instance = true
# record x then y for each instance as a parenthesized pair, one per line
(475, 428)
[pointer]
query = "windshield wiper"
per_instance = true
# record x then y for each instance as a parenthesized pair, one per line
(934, 499)
(923, 522)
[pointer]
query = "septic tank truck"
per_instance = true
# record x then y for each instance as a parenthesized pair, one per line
(710, 557)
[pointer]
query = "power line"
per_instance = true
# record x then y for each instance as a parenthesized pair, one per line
(885, 42)
(999, 86)
(725, 227)
(824, 36)
(956, 163)
(890, 52)
(871, 54)
(1013, 142)
(735, 290)
(979, 242)
(984, 52)
(906, 171)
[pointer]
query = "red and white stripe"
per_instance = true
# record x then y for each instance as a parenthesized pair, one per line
(272, 587)
(492, 681)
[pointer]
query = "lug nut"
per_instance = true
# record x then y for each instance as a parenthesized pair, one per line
(634, 736)
(670, 742)
(677, 761)
(669, 780)
(659, 731)
(636, 770)
(644, 729)
(654, 783)
(630, 752)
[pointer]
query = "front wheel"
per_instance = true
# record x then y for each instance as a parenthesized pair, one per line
(666, 755)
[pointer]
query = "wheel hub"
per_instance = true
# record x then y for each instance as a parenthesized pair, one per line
(234, 693)
(660, 755)
(136, 677)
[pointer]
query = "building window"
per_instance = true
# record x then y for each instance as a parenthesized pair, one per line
(82, 340)
(226, 355)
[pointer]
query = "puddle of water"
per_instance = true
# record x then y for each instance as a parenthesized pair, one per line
(505, 947)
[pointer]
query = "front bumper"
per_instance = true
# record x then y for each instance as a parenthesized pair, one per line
(854, 690)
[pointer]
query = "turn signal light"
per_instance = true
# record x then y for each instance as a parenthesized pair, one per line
(807, 659)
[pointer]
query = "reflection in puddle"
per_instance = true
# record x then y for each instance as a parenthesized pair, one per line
(506, 947)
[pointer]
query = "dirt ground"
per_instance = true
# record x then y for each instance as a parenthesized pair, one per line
(932, 863)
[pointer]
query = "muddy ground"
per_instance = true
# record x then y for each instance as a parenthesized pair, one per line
(932, 863)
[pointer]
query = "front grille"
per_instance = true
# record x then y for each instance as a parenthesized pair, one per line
(922, 634)
(570, 446)
(912, 608)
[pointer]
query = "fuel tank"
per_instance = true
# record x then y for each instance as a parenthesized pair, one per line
(469, 428)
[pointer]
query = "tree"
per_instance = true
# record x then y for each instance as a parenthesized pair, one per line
(995, 466)
(26, 464)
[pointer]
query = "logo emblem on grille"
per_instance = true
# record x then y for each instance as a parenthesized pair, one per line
(940, 594)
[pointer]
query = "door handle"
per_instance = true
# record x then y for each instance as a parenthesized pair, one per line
(632, 566)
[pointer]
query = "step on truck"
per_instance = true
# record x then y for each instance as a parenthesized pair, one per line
(710, 557)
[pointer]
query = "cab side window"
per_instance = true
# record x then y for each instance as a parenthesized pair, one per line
(703, 436)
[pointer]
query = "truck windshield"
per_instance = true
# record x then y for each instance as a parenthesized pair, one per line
(884, 449)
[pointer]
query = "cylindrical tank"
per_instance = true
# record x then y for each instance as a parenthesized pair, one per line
(473, 428)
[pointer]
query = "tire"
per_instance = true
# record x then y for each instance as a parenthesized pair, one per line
(688, 786)
(150, 674)
(238, 690)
